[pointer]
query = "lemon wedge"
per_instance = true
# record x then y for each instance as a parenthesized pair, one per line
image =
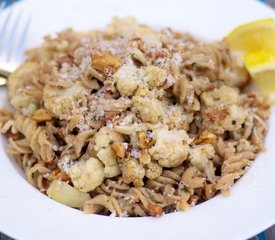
(253, 36)
(256, 40)
(261, 66)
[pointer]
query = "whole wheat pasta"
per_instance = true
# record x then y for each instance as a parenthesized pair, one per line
(130, 121)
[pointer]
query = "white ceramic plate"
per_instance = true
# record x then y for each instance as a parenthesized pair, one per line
(25, 213)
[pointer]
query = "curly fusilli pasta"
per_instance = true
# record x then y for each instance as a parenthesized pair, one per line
(130, 121)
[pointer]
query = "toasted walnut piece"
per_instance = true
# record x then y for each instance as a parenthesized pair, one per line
(193, 200)
(153, 170)
(119, 149)
(154, 209)
(206, 137)
(105, 61)
(209, 190)
(193, 178)
(145, 157)
(156, 76)
(145, 140)
(182, 205)
(57, 175)
(42, 115)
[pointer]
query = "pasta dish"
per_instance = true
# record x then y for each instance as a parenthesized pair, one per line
(130, 121)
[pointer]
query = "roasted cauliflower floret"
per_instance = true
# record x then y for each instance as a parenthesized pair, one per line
(219, 120)
(108, 158)
(21, 77)
(87, 175)
(153, 170)
(200, 157)
(133, 172)
(220, 96)
(142, 90)
(171, 148)
(126, 79)
(149, 110)
(156, 76)
(175, 117)
(105, 137)
(235, 118)
(58, 100)
(18, 80)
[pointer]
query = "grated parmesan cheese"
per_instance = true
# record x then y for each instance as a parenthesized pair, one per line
(25, 111)
(65, 165)
(126, 120)
(82, 126)
(135, 153)
(125, 145)
(109, 124)
(85, 63)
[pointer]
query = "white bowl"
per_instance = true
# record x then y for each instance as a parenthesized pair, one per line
(25, 213)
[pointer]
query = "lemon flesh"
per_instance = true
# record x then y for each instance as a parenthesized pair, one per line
(261, 66)
(262, 79)
(256, 40)
(253, 36)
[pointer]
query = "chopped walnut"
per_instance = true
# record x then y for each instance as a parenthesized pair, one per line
(145, 139)
(119, 149)
(105, 62)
